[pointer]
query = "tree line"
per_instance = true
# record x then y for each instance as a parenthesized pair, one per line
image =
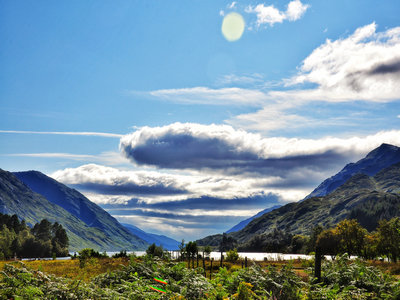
(351, 238)
(44, 239)
(347, 237)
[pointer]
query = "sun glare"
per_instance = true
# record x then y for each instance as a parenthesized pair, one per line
(232, 26)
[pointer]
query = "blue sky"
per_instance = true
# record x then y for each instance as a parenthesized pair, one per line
(147, 109)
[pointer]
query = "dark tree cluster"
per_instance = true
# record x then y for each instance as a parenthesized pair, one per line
(276, 241)
(43, 240)
(351, 238)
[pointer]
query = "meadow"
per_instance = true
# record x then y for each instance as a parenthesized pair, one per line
(134, 278)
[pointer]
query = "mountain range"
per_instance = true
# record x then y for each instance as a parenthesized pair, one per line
(368, 190)
(34, 196)
(166, 242)
(243, 223)
(378, 159)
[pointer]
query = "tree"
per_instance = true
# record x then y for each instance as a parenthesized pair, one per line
(352, 237)
(182, 248)
(191, 250)
(370, 250)
(207, 251)
(313, 238)
(328, 241)
(389, 238)
(232, 255)
(59, 240)
(299, 243)
(155, 250)
(42, 231)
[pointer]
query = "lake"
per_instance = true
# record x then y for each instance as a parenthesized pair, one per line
(250, 255)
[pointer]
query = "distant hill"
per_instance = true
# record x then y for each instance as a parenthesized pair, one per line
(160, 240)
(365, 198)
(378, 159)
(243, 223)
(86, 223)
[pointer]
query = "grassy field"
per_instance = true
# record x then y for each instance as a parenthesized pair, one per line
(96, 266)
(131, 278)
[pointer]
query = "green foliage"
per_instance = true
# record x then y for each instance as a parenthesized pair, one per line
(389, 238)
(88, 254)
(227, 243)
(276, 241)
(122, 253)
(207, 251)
(329, 242)
(341, 279)
(232, 255)
(349, 237)
(43, 240)
(299, 243)
(191, 249)
(352, 237)
(154, 250)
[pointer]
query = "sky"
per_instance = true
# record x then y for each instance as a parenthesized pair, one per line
(186, 117)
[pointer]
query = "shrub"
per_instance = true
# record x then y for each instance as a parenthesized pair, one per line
(232, 255)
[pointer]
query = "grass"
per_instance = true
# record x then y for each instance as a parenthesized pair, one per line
(96, 266)
(71, 268)
(123, 278)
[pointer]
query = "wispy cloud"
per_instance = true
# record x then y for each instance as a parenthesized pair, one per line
(232, 5)
(241, 80)
(271, 15)
(107, 157)
(210, 96)
(78, 133)
(54, 155)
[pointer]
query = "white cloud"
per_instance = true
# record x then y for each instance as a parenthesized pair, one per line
(363, 66)
(107, 157)
(245, 142)
(54, 155)
(296, 10)
(78, 133)
(232, 5)
(111, 185)
(271, 15)
(180, 196)
(247, 79)
(266, 14)
(205, 95)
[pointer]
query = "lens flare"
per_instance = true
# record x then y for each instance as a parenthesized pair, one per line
(232, 26)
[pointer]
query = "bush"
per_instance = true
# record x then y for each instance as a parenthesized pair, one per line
(154, 250)
(232, 255)
(122, 253)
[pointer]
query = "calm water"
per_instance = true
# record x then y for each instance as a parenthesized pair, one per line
(250, 255)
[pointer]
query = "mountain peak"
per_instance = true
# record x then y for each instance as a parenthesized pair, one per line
(383, 149)
(378, 159)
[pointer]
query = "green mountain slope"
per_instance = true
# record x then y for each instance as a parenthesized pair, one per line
(17, 198)
(368, 199)
(82, 208)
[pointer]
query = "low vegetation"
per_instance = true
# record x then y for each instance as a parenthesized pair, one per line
(93, 275)
(153, 278)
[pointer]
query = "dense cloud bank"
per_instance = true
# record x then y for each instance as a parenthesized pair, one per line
(222, 148)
